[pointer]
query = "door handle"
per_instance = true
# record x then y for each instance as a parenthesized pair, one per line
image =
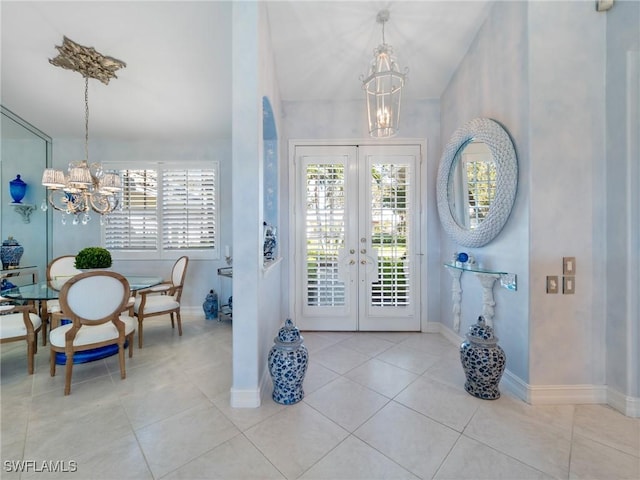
(363, 250)
(352, 262)
(363, 262)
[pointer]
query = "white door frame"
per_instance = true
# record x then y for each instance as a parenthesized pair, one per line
(422, 221)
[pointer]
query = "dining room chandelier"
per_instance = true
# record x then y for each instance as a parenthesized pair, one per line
(86, 186)
(383, 87)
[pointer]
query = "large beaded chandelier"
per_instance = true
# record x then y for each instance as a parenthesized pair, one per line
(86, 186)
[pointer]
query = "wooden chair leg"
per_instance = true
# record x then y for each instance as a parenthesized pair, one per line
(31, 347)
(130, 341)
(68, 372)
(52, 363)
(179, 322)
(173, 325)
(123, 373)
(44, 314)
(140, 318)
(45, 321)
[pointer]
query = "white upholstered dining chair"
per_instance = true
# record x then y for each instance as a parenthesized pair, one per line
(93, 302)
(162, 299)
(20, 322)
(59, 271)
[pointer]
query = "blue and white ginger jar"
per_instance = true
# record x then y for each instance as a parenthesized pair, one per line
(11, 253)
(288, 360)
(210, 305)
(483, 361)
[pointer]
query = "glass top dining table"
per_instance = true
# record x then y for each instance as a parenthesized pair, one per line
(42, 290)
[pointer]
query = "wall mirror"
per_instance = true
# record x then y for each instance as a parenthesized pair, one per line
(477, 181)
(25, 150)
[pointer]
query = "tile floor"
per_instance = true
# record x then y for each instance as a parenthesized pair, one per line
(377, 406)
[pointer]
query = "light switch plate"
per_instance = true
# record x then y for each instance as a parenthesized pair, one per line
(568, 265)
(552, 284)
(569, 285)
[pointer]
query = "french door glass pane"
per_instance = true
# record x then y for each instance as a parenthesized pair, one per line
(325, 233)
(390, 190)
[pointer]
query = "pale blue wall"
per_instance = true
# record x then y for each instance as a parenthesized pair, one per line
(554, 73)
(623, 212)
(567, 125)
(492, 82)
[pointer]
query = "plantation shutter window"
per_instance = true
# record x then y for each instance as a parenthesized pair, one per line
(188, 209)
(166, 210)
(135, 225)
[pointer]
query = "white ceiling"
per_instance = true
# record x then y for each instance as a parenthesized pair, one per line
(177, 80)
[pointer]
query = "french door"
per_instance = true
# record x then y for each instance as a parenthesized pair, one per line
(357, 240)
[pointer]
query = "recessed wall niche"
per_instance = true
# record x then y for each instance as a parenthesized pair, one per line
(270, 178)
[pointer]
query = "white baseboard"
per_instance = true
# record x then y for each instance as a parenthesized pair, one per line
(567, 394)
(431, 327)
(555, 394)
(515, 386)
(250, 398)
(630, 406)
(446, 332)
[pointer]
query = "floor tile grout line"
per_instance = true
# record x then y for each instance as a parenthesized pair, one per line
(135, 435)
(263, 454)
(573, 437)
(444, 459)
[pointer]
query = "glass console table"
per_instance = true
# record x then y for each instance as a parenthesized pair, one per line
(487, 279)
(17, 271)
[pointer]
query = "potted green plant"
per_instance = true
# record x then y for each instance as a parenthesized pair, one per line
(93, 257)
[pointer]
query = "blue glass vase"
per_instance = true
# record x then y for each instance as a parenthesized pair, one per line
(17, 189)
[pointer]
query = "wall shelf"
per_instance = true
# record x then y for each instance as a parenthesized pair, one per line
(23, 210)
(487, 279)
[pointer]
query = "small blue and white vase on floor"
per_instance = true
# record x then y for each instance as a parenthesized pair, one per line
(210, 305)
(483, 361)
(288, 360)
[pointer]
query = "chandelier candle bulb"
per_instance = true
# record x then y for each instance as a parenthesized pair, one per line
(384, 118)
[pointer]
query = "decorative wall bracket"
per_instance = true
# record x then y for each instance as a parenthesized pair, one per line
(456, 296)
(487, 281)
(24, 211)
